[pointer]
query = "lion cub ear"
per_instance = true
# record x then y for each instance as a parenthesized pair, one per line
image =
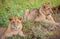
(10, 19)
(48, 3)
(20, 18)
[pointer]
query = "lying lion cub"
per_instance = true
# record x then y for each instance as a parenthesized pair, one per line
(47, 11)
(14, 27)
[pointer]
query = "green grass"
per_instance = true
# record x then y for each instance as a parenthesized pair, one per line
(16, 7)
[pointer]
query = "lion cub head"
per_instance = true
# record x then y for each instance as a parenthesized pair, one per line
(15, 22)
(47, 8)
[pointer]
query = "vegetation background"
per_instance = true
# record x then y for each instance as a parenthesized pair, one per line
(16, 8)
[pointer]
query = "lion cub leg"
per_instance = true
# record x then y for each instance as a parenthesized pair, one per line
(51, 19)
(21, 33)
(9, 34)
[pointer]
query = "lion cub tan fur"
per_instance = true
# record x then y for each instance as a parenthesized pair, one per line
(14, 27)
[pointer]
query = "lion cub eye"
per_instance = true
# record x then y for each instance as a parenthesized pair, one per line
(48, 8)
(18, 21)
(13, 22)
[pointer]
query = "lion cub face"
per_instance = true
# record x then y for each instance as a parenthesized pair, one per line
(46, 5)
(47, 8)
(15, 22)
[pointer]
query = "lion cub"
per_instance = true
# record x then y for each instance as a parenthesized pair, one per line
(14, 27)
(47, 11)
(31, 14)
